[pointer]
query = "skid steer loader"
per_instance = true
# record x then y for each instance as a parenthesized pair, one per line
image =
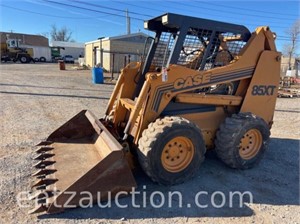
(202, 85)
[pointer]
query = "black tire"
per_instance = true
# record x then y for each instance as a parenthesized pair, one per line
(157, 137)
(36, 60)
(23, 59)
(242, 140)
(42, 59)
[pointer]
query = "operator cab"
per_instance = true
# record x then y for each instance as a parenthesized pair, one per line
(199, 44)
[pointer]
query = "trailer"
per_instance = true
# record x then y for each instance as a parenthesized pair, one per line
(41, 54)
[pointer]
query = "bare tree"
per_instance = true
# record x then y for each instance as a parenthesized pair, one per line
(293, 34)
(62, 34)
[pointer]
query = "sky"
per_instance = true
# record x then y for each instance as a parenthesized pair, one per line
(91, 19)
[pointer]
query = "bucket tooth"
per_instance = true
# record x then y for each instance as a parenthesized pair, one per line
(38, 209)
(41, 176)
(41, 201)
(44, 156)
(41, 195)
(88, 158)
(43, 172)
(42, 187)
(43, 149)
(44, 143)
(42, 164)
(46, 181)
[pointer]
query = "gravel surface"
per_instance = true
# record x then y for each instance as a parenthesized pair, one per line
(38, 98)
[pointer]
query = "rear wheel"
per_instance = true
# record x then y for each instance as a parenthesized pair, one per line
(242, 140)
(171, 150)
(23, 59)
(42, 59)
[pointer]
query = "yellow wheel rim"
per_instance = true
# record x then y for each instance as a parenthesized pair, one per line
(250, 144)
(177, 154)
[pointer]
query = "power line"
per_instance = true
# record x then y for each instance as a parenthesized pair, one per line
(105, 7)
(244, 14)
(88, 9)
(219, 15)
(130, 4)
(253, 10)
(126, 3)
(170, 7)
(42, 14)
(116, 9)
(112, 14)
(145, 8)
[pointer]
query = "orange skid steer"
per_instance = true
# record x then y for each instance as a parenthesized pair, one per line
(202, 85)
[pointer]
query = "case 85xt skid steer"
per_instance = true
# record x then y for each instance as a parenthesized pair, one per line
(202, 85)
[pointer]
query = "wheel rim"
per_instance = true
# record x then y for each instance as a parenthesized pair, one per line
(177, 154)
(250, 144)
(23, 59)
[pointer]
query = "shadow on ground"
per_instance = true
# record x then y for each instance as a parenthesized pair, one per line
(55, 95)
(51, 87)
(274, 181)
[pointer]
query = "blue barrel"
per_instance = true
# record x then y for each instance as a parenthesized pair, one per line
(97, 75)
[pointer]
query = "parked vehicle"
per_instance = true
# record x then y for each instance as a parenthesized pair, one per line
(68, 59)
(12, 51)
(165, 112)
(41, 54)
(56, 54)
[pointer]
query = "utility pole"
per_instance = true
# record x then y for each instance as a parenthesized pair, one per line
(127, 22)
(101, 51)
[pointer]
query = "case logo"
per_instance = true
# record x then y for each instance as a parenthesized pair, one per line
(191, 81)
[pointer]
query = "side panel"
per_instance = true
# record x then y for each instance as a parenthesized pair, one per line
(209, 123)
(261, 95)
(124, 89)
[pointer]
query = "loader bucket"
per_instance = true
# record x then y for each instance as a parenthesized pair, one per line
(79, 159)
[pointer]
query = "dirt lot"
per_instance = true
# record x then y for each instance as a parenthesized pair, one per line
(37, 98)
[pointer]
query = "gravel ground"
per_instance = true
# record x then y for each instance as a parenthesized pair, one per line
(37, 98)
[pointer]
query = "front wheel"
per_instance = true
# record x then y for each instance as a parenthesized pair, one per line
(171, 150)
(242, 140)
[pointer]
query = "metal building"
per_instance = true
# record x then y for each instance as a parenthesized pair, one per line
(113, 52)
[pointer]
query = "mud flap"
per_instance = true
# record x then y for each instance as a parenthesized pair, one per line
(79, 159)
